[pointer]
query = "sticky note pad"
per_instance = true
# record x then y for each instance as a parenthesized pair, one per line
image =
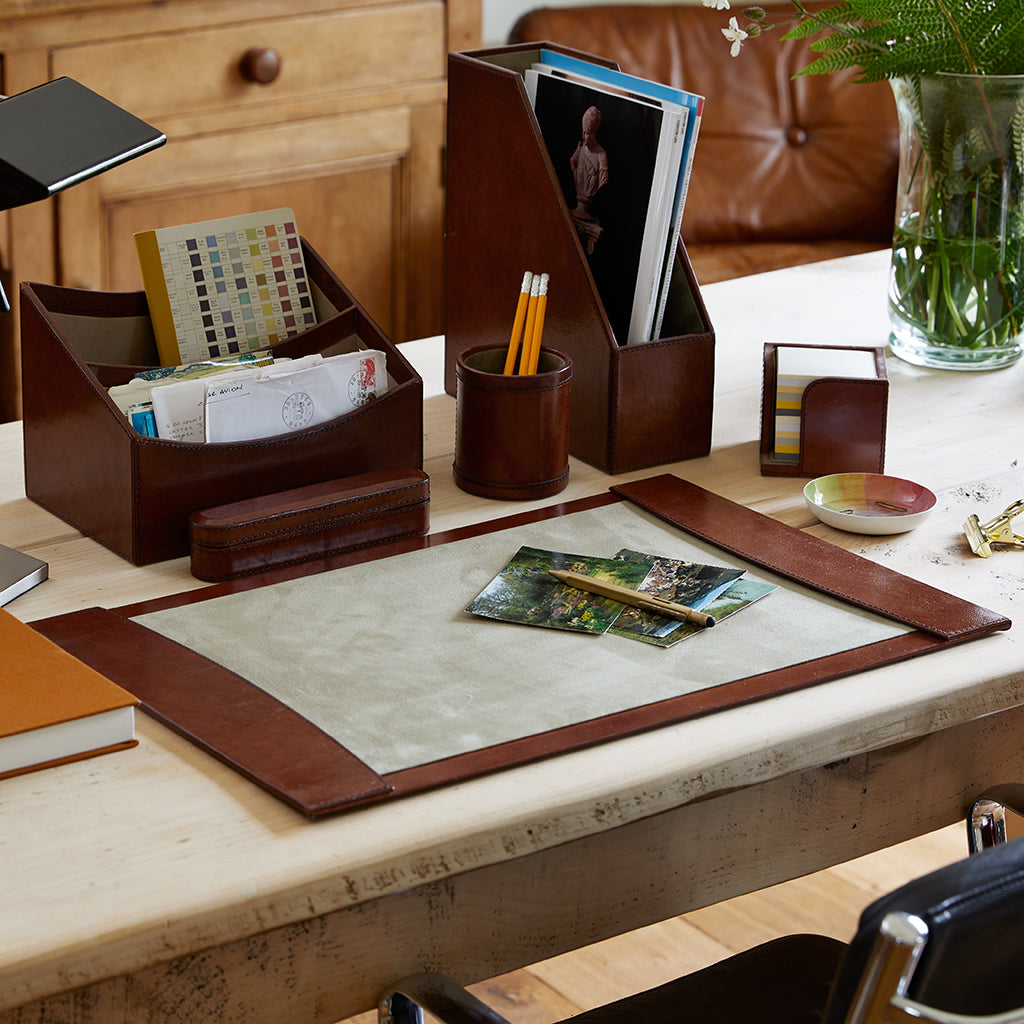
(795, 368)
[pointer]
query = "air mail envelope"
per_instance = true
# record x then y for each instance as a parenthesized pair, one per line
(180, 410)
(179, 407)
(270, 403)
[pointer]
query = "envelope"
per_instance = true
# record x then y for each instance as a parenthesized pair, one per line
(139, 387)
(280, 400)
(179, 407)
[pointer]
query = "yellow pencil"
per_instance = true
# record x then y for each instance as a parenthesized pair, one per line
(531, 316)
(538, 324)
(632, 597)
(517, 323)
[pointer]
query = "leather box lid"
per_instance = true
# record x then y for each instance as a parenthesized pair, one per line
(247, 537)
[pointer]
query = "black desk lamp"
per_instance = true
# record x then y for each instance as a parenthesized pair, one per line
(58, 134)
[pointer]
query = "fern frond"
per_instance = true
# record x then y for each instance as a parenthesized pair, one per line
(906, 38)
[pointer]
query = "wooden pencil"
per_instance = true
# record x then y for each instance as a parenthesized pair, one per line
(632, 597)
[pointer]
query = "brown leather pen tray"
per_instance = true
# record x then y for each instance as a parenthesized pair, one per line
(85, 463)
(317, 521)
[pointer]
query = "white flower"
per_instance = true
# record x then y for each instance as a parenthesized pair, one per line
(718, 5)
(735, 35)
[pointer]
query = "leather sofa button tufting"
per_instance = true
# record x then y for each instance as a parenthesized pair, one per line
(796, 135)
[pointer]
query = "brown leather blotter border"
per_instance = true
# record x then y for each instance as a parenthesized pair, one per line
(842, 421)
(221, 712)
(287, 755)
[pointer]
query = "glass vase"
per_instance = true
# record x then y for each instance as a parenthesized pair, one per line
(956, 283)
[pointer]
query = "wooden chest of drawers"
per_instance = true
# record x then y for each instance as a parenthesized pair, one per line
(335, 108)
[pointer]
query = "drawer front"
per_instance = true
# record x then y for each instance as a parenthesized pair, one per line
(318, 55)
(347, 179)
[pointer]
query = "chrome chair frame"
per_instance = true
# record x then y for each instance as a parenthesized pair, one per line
(986, 819)
(881, 993)
(882, 998)
(439, 996)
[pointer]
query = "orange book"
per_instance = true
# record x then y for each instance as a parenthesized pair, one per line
(54, 708)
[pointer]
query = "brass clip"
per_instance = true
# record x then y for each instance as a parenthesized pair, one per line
(999, 530)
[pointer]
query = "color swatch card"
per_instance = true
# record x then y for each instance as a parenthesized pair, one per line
(225, 287)
(796, 366)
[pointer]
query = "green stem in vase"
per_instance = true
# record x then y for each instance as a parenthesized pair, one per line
(956, 291)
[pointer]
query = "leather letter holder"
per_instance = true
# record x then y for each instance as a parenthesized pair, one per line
(632, 406)
(85, 463)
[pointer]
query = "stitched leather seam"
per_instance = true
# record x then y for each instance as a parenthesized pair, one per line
(319, 526)
(270, 566)
(532, 389)
(337, 503)
(511, 487)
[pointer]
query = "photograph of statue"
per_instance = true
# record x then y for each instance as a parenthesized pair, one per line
(589, 163)
(604, 149)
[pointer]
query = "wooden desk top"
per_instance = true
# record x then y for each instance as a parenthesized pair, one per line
(131, 859)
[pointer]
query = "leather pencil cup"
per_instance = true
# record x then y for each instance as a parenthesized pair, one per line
(511, 430)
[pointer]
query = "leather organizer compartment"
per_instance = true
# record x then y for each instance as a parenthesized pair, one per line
(134, 494)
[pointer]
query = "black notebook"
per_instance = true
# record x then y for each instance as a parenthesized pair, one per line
(19, 572)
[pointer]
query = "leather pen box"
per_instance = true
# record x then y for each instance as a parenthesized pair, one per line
(246, 537)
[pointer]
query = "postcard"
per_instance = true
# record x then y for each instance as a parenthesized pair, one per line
(524, 592)
(688, 583)
(278, 400)
(738, 596)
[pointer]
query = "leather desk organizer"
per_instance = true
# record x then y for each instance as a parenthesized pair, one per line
(632, 406)
(306, 523)
(134, 494)
(842, 422)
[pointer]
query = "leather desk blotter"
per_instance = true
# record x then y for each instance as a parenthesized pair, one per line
(893, 616)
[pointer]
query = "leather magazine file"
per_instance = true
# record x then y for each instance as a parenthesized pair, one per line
(842, 421)
(632, 406)
(290, 757)
(134, 494)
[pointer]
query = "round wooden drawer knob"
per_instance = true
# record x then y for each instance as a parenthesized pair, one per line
(260, 64)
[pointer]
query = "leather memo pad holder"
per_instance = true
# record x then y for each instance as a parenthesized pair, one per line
(842, 421)
(85, 463)
(262, 737)
(632, 406)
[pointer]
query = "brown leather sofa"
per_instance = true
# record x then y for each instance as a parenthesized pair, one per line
(786, 170)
